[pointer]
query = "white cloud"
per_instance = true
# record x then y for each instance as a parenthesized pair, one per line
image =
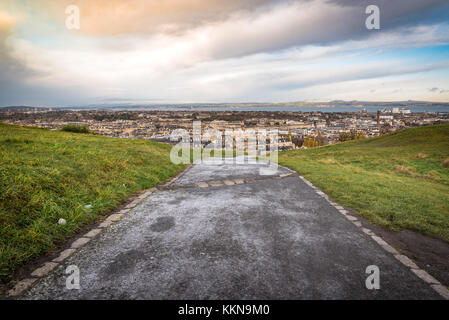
(278, 53)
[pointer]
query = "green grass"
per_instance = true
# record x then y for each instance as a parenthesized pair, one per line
(398, 181)
(47, 175)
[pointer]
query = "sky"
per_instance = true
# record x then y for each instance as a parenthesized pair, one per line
(186, 51)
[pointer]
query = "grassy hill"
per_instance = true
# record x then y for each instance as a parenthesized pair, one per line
(47, 175)
(398, 181)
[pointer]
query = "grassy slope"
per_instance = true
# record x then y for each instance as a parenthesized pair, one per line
(396, 180)
(46, 175)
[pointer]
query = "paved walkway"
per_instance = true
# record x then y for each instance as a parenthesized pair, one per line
(252, 237)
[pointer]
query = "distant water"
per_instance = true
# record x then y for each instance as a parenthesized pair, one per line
(438, 109)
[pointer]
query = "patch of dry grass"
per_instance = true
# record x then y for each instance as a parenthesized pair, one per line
(421, 156)
(445, 163)
(403, 169)
(328, 161)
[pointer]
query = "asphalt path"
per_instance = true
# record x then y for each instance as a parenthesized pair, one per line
(246, 235)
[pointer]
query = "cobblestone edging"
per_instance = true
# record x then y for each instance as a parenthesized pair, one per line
(48, 266)
(230, 182)
(220, 183)
(25, 284)
(434, 283)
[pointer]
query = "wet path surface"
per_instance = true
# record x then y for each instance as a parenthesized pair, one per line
(227, 232)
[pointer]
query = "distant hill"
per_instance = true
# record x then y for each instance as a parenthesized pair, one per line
(22, 108)
(398, 181)
(193, 105)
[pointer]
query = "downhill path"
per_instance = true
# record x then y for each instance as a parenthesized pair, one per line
(273, 238)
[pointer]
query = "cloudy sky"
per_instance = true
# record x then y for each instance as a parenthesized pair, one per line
(176, 51)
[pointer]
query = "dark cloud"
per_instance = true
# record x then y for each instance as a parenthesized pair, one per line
(325, 23)
(437, 90)
(13, 73)
(397, 13)
(16, 87)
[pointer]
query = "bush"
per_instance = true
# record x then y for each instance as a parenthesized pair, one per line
(310, 142)
(17, 140)
(352, 135)
(298, 141)
(76, 128)
(315, 141)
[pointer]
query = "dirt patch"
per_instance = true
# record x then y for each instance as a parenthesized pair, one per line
(445, 163)
(428, 253)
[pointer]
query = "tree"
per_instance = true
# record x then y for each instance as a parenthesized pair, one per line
(298, 141)
(320, 139)
(352, 135)
(310, 142)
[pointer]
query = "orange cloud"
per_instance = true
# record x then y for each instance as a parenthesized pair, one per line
(114, 17)
(7, 22)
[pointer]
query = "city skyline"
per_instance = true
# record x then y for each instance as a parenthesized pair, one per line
(222, 51)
